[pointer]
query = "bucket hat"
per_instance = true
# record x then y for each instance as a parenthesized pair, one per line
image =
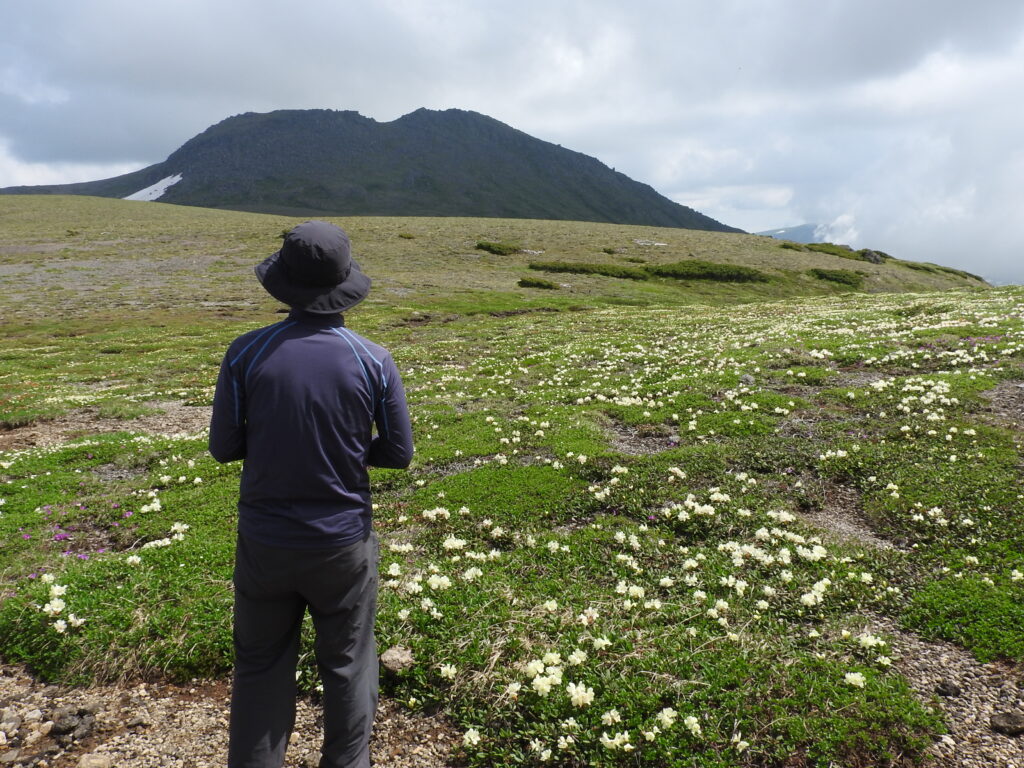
(314, 271)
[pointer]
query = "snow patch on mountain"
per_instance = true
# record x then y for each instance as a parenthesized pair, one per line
(155, 191)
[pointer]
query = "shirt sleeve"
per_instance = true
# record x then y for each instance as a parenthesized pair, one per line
(392, 447)
(227, 423)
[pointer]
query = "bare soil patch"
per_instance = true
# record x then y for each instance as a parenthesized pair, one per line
(186, 726)
(641, 440)
(1005, 405)
(838, 511)
(172, 418)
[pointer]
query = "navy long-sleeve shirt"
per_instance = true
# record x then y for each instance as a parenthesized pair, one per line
(298, 401)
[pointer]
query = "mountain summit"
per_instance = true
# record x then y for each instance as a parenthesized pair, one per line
(427, 163)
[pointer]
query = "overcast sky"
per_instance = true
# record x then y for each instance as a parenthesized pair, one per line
(894, 124)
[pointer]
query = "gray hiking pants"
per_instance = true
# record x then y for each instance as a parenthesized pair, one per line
(273, 588)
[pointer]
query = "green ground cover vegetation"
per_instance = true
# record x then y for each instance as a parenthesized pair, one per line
(609, 549)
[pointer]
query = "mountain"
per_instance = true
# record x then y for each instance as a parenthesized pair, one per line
(427, 163)
(803, 233)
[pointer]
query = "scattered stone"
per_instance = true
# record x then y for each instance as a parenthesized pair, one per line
(397, 658)
(34, 716)
(1008, 723)
(747, 379)
(311, 760)
(948, 688)
(65, 720)
(95, 761)
(9, 757)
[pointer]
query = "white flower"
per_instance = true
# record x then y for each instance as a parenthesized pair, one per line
(56, 590)
(471, 574)
(471, 737)
(855, 679)
(47, 578)
(692, 725)
(439, 582)
(577, 657)
(551, 658)
(550, 606)
(535, 667)
(600, 643)
(542, 685)
(453, 542)
(75, 621)
(611, 717)
(513, 690)
(55, 606)
(133, 560)
(580, 695)
(60, 625)
(448, 671)
(667, 717)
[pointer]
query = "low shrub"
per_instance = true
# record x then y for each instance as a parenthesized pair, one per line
(707, 270)
(497, 248)
(842, 251)
(791, 246)
(406, 236)
(537, 282)
(584, 268)
(841, 276)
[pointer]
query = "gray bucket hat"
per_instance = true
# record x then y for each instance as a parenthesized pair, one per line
(314, 270)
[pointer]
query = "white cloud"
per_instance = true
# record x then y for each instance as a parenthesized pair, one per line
(15, 172)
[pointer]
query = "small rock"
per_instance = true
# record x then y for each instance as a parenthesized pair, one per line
(95, 761)
(396, 658)
(311, 760)
(1008, 723)
(747, 379)
(9, 757)
(84, 728)
(34, 716)
(65, 720)
(136, 722)
(948, 688)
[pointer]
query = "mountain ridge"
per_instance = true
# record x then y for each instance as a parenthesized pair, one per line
(425, 163)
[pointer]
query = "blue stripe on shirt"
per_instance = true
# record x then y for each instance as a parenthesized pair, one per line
(264, 347)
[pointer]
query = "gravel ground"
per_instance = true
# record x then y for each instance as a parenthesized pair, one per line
(145, 726)
(972, 696)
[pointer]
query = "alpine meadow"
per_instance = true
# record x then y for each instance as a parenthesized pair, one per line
(680, 497)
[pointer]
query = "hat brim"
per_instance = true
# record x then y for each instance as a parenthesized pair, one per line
(316, 300)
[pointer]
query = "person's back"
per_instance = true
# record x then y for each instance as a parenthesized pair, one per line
(298, 401)
(311, 391)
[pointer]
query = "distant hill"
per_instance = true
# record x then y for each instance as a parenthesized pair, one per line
(803, 233)
(427, 163)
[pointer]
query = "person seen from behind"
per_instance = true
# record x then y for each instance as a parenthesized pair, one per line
(298, 402)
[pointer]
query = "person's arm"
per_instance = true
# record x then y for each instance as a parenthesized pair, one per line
(227, 424)
(392, 447)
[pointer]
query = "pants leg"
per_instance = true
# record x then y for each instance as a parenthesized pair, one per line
(343, 605)
(267, 623)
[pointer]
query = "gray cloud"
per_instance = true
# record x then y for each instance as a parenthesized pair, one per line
(899, 120)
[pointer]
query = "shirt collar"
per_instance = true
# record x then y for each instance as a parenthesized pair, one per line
(319, 321)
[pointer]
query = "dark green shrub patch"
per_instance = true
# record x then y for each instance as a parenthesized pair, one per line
(498, 248)
(583, 268)
(841, 276)
(537, 282)
(706, 270)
